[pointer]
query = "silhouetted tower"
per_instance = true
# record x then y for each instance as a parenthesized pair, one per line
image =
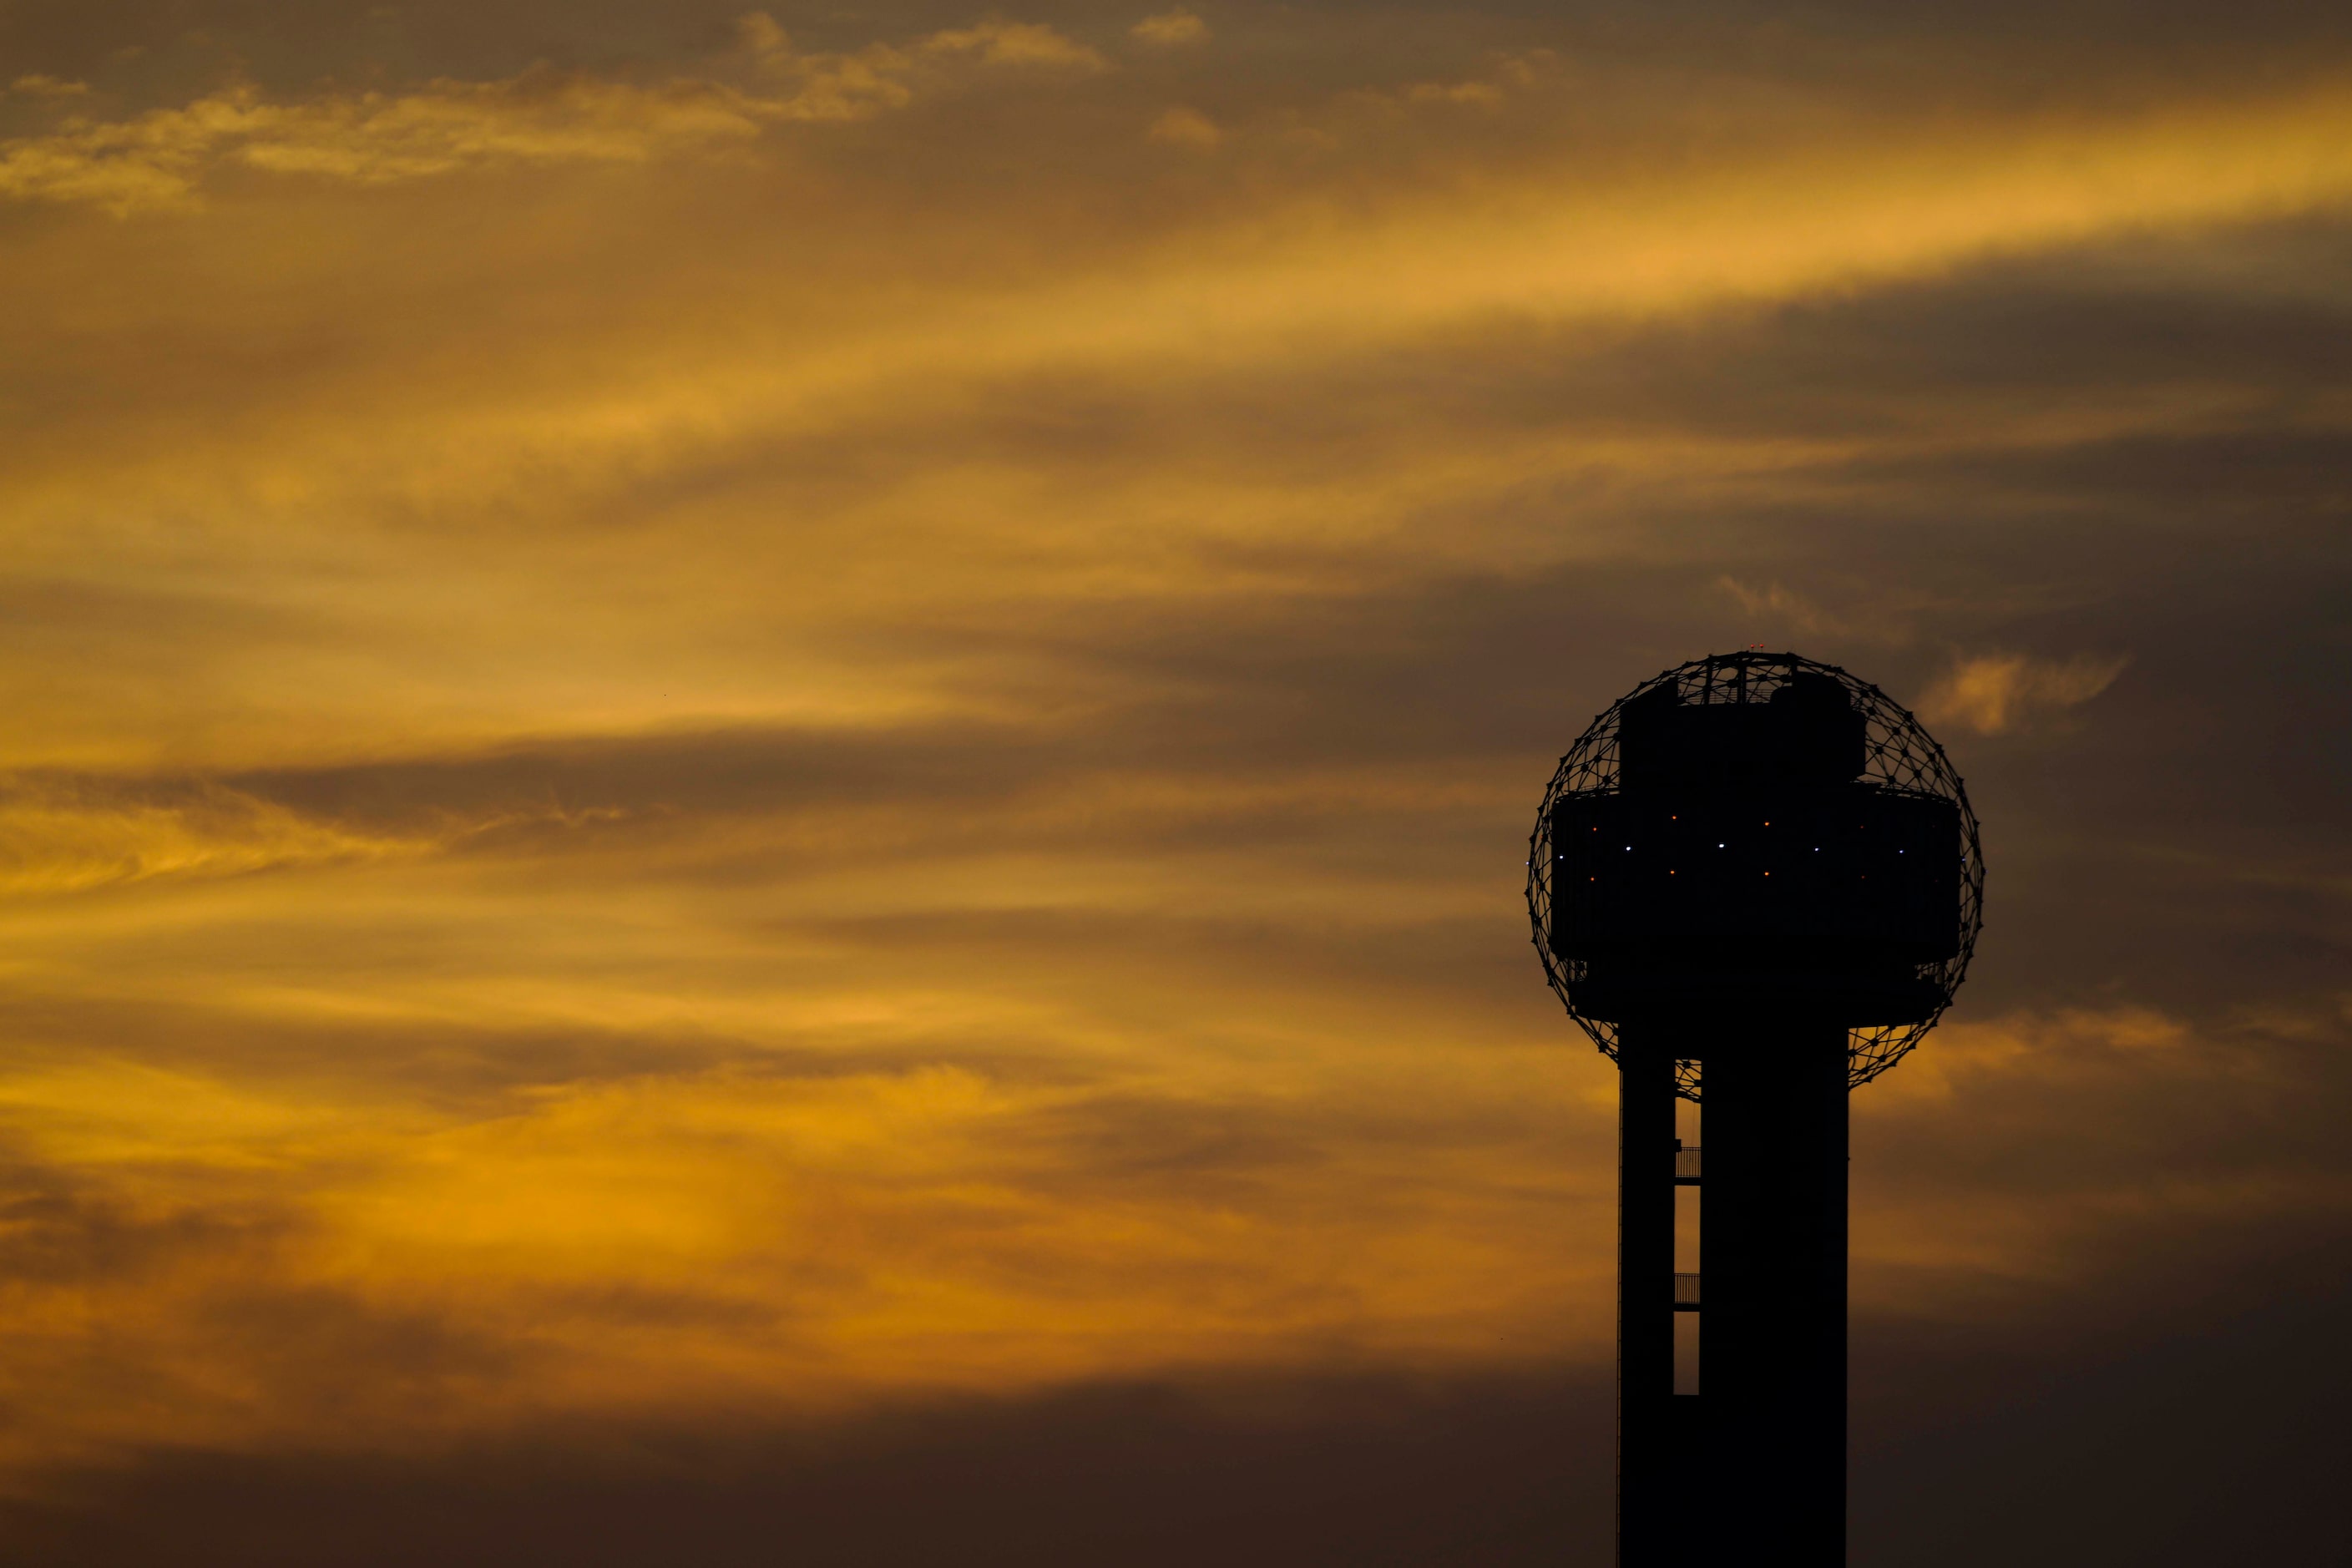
(1758, 877)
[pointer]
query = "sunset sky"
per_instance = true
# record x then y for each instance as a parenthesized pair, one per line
(764, 775)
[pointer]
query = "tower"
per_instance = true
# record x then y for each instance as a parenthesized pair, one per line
(1756, 882)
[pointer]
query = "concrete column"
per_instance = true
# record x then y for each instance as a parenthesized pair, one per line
(1774, 1364)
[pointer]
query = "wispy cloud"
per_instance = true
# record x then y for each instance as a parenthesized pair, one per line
(832, 715)
(158, 159)
(1165, 28)
(38, 86)
(1994, 693)
(60, 834)
(1778, 603)
(1001, 43)
(1183, 127)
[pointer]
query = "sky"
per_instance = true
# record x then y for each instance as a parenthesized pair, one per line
(763, 773)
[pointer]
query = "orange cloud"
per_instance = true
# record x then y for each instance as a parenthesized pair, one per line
(803, 726)
(1183, 127)
(544, 116)
(1993, 693)
(1165, 28)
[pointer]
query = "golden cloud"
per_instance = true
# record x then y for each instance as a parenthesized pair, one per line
(1002, 43)
(58, 835)
(737, 1240)
(38, 86)
(1993, 693)
(1182, 127)
(156, 159)
(542, 116)
(720, 770)
(767, 354)
(1169, 28)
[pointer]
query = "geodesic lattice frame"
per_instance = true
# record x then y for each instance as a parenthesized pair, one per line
(1901, 757)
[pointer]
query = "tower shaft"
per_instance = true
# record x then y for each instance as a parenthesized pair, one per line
(1772, 1367)
(1755, 1463)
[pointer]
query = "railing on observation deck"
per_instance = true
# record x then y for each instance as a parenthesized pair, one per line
(1685, 1292)
(1686, 1165)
